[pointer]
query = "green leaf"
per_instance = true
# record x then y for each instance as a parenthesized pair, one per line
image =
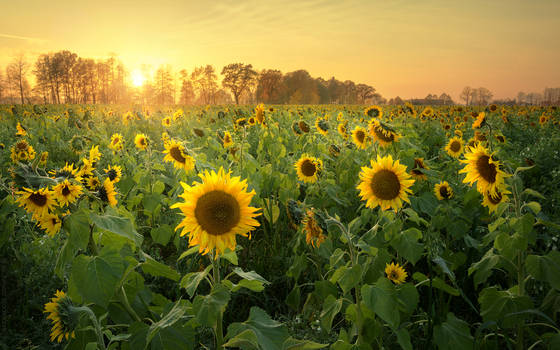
(496, 305)
(406, 243)
(381, 299)
(97, 277)
(299, 344)
(534, 206)
(270, 334)
(174, 337)
(162, 234)
(244, 340)
(483, 268)
(157, 269)
(230, 256)
(191, 280)
(118, 225)
(545, 268)
(207, 308)
(533, 193)
(251, 275)
(77, 227)
(403, 338)
(151, 201)
(408, 297)
(331, 307)
(174, 315)
(350, 278)
(158, 187)
(188, 252)
(453, 334)
(294, 297)
(414, 217)
(436, 283)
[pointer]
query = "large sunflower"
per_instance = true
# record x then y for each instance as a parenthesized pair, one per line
(303, 126)
(66, 193)
(114, 173)
(359, 137)
(175, 152)
(480, 120)
(454, 147)
(63, 321)
(492, 201)
(215, 211)
(381, 133)
(116, 142)
(106, 192)
(37, 202)
(386, 184)
(374, 112)
(395, 273)
(482, 167)
(308, 168)
(322, 126)
(443, 191)
(141, 141)
(51, 223)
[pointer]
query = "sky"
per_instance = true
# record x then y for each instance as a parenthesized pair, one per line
(406, 48)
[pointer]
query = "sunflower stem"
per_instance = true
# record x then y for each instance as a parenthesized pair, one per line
(219, 327)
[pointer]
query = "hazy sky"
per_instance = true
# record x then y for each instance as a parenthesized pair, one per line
(406, 48)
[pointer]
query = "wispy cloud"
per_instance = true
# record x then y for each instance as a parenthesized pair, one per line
(18, 37)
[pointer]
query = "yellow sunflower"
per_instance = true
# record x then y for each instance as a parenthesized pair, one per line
(492, 201)
(395, 273)
(443, 191)
(501, 138)
(341, 128)
(20, 130)
(116, 142)
(86, 169)
(386, 184)
(454, 147)
(322, 126)
(480, 121)
(63, 321)
(227, 140)
(313, 232)
(241, 122)
(37, 202)
(252, 121)
(482, 167)
(66, 193)
(374, 112)
(141, 141)
(175, 153)
(303, 126)
(381, 133)
(43, 159)
(50, 223)
(259, 113)
(308, 168)
(92, 182)
(94, 154)
(106, 192)
(359, 137)
(166, 122)
(428, 112)
(67, 172)
(216, 211)
(114, 173)
(417, 170)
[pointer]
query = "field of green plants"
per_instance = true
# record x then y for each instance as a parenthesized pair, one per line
(279, 227)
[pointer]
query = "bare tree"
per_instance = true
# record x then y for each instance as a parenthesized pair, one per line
(204, 81)
(238, 78)
(466, 94)
(163, 85)
(16, 72)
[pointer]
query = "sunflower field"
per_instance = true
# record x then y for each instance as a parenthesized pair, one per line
(280, 227)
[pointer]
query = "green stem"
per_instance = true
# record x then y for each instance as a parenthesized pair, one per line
(219, 327)
(127, 306)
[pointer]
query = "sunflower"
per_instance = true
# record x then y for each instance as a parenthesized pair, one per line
(500, 138)
(259, 113)
(454, 147)
(50, 223)
(359, 137)
(141, 141)
(492, 201)
(20, 130)
(480, 121)
(374, 112)
(86, 169)
(106, 192)
(443, 191)
(66, 193)
(114, 173)
(295, 128)
(116, 142)
(94, 154)
(175, 153)
(43, 159)
(63, 321)
(482, 167)
(341, 128)
(215, 211)
(428, 112)
(67, 172)
(385, 184)
(334, 150)
(313, 232)
(252, 121)
(166, 122)
(227, 140)
(303, 126)
(92, 182)
(308, 168)
(198, 132)
(178, 114)
(395, 273)
(458, 133)
(493, 108)
(322, 126)
(409, 108)
(381, 133)
(38, 202)
(417, 170)
(240, 122)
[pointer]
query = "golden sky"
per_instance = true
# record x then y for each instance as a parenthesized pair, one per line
(406, 48)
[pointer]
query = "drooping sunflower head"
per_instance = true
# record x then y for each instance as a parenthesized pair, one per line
(359, 136)
(385, 184)
(322, 126)
(395, 273)
(443, 191)
(141, 141)
(114, 173)
(37, 202)
(501, 138)
(374, 112)
(66, 193)
(51, 223)
(106, 192)
(482, 167)
(417, 171)
(227, 140)
(216, 211)
(259, 113)
(295, 213)
(308, 168)
(198, 132)
(312, 229)
(91, 182)
(295, 128)
(480, 121)
(455, 147)
(304, 126)
(382, 133)
(63, 319)
(175, 153)
(491, 201)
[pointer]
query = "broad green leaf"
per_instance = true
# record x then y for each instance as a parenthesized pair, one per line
(453, 334)
(191, 280)
(545, 268)
(157, 269)
(406, 243)
(244, 340)
(188, 252)
(118, 225)
(300, 344)
(174, 315)
(497, 306)
(270, 334)
(436, 283)
(162, 234)
(206, 308)
(331, 307)
(350, 278)
(403, 338)
(251, 275)
(381, 299)
(483, 268)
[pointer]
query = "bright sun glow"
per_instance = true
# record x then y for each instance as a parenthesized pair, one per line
(137, 78)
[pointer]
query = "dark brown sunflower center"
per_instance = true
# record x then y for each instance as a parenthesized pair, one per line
(112, 174)
(495, 199)
(217, 212)
(444, 192)
(419, 164)
(381, 135)
(116, 140)
(455, 146)
(38, 199)
(308, 168)
(103, 194)
(360, 136)
(385, 185)
(501, 138)
(176, 153)
(486, 169)
(393, 275)
(21, 146)
(303, 126)
(227, 139)
(65, 191)
(373, 113)
(143, 141)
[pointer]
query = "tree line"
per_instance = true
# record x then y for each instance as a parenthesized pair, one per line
(64, 77)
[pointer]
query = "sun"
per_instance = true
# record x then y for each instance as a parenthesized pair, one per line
(137, 78)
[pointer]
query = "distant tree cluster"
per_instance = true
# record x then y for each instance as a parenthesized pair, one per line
(432, 99)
